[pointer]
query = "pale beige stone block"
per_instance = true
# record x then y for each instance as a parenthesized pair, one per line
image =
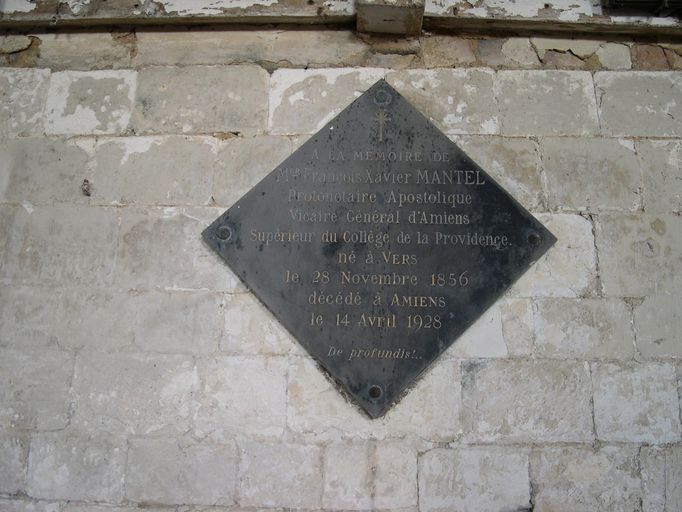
(347, 477)
(241, 395)
(583, 329)
(661, 469)
(174, 471)
(23, 93)
(82, 51)
(526, 97)
(658, 323)
(284, 475)
(520, 51)
(28, 316)
(34, 388)
(662, 170)
(395, 479)
(76, 466)
(441, 51)
(482, 340)
(636, 402)
(13, 460)
(585, 479)
(458, 101)
(135, 393)
(582, 48)
(639, 103)
(614, 56)
(517, 325)
(526, 401)
(89, 102)
(474, 479)
(202, 99)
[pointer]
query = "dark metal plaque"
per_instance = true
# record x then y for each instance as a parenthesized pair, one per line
(377, 244)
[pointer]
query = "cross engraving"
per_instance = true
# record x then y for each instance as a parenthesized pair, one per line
(382, 117)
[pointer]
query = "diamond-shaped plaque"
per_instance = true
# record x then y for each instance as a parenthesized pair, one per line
(377, 244)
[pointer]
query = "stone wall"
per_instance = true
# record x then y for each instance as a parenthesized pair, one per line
(137, 372)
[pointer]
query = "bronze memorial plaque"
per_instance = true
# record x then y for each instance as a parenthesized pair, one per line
(377, 244)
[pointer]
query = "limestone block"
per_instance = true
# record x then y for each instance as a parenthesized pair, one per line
(583, 329)
(430, 410)
(237, 171)
(7, 214)
(582, 48)
(546, 103)
(520, 51)
(517, 325)
(304, 100)
(639, 103)
(42, 171)
(61, 244)
(107, 392)
(284, 475)
(347, 477)
(458, 101)
(526, 401)
(241, 395)
(13, 459)
(568, 269)
(483, 339)
(27, 317)
(89, 102)
(76, 466)
(12, 43)
(577, 478)
(513, 163)
(649, 57)
(561, 60)
(390, 16)
(82, 51)
(658, 323)
(636, 402)
(19, 505)
(614, 56)
(34, 388)
(284, 48)
(249, 328)
(395, 478)
(202, 99)
(474, 479)
(661, 164)
(162, 248)
(174, 471)
(591, 174)
(80, 507)
(441, 51)
(661, 475)
(161, 170)
(23, 93)
(639, 254)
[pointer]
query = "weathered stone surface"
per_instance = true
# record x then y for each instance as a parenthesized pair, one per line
(614, 56)
(106, 391)
(583, 329)
(34, 388)
(525, 97)
(12, 43)
(430, 410)
(649, 57)
(474, 479)
(441, 51)
(286, 475)
(27, 317)
(582, 48)
(161, 170)
(639, 103)
(236, 169)
(395, 479)
(303, 101)
(13, 459)
(636, 402)
(175, 471)
(249, 328)
(76, 466)
(89, 102)
(520, 51)
(661, 469)
(661, 163)
(569, 268)
(42, 171)
(23, 93)
(79, 507)
(390, 17)
(19, 505)
(573, 167)
(562, 60)
(658, 323)
(284, 48)
(458, 101)
(145, 261)
(82, 51)
(62, 244)
(525, 401)
(513, 163)
(639, 254)
(347, 477)
(483, 339)
(213, 99)
(580, 479)
(674, 59)
(242, 395)
(517, 326)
